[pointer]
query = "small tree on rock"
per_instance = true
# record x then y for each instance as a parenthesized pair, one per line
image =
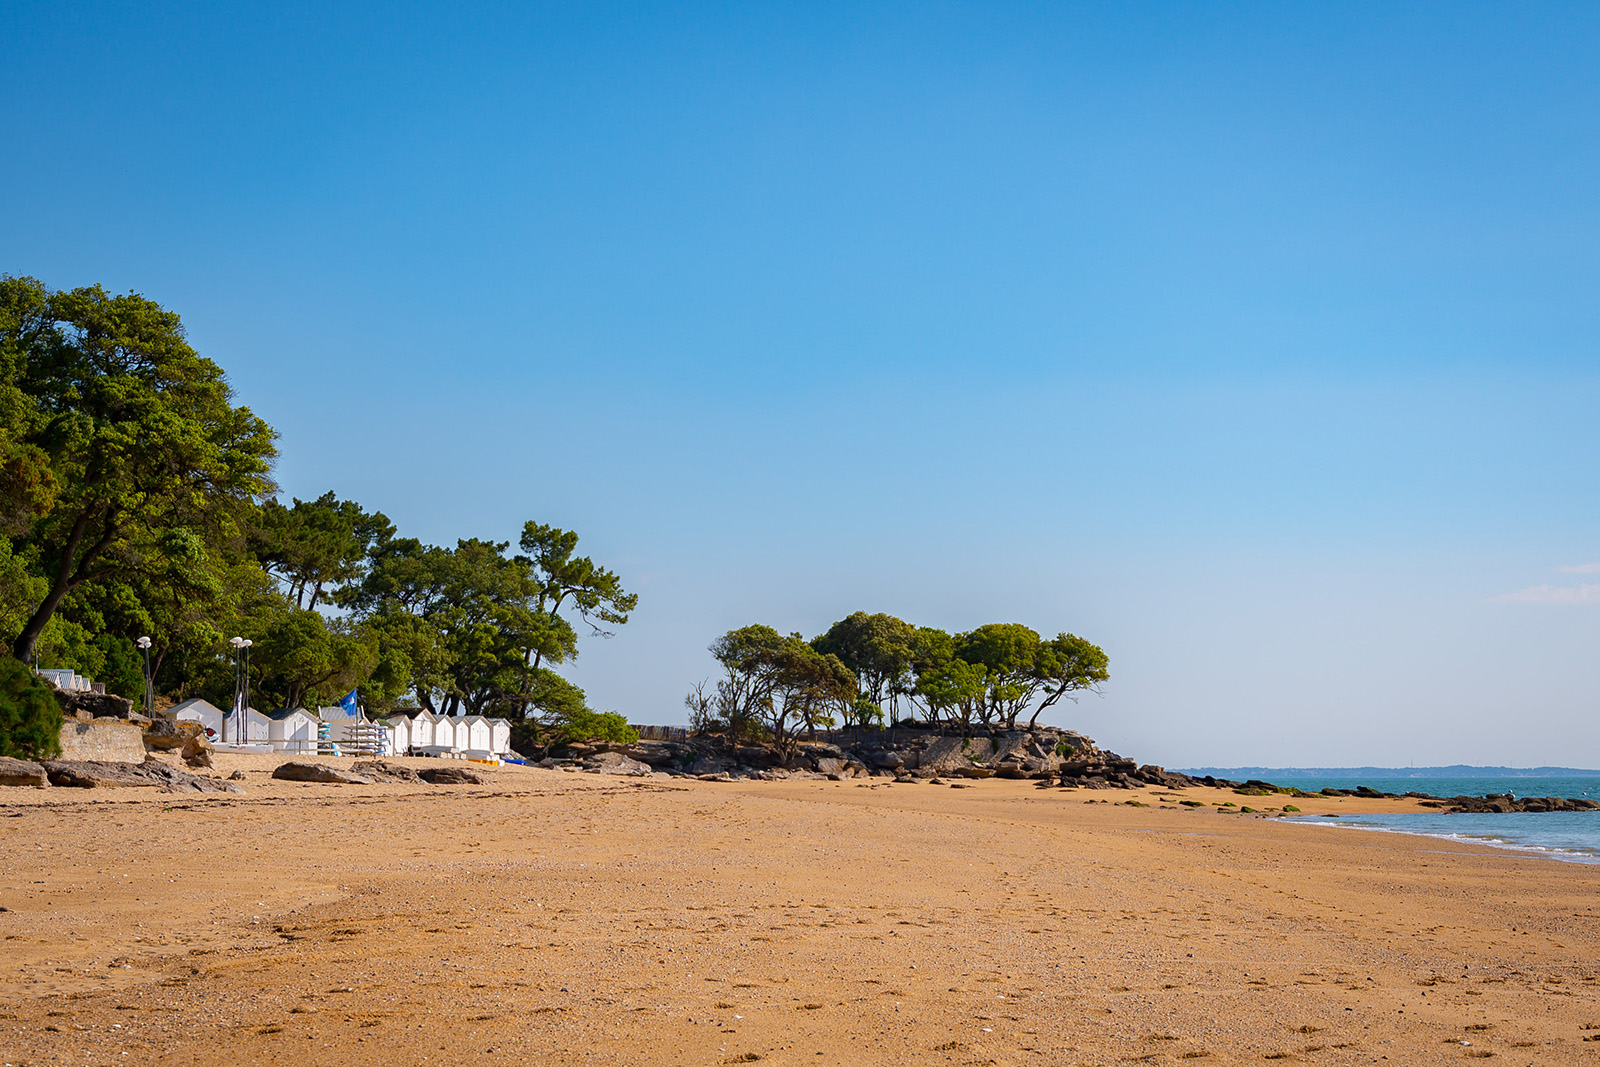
(30, 718)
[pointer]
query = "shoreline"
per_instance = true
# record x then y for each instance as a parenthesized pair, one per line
(1560, 854)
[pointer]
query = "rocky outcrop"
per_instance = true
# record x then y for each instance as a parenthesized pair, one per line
(1505, 803)
(102, 774)
(165, 735)
(196, 751)
(23, 773)
(91, 705)
(318, 772)
(617, 763)
(117, 740)
(383, 771)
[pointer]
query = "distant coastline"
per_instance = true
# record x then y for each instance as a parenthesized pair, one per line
(1456, 770)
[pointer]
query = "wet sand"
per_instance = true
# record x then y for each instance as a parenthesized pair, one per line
(561, 918)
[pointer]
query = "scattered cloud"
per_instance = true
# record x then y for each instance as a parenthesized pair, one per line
(1552, 594)
(1581, 568)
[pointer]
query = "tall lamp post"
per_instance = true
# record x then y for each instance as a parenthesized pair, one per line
(241, 690)
(149, 681)
(244, 718)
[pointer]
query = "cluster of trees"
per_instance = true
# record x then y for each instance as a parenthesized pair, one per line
(868, 666)
(137, 498)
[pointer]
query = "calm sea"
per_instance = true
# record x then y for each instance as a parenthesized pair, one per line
(1571, 836)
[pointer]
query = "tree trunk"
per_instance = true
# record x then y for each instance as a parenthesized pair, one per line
(69, 574)
(23, 647)
(1051, 699)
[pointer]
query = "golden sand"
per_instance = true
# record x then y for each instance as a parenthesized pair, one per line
(562, 918)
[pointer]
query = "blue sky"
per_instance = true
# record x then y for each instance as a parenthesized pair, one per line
(1255, 342)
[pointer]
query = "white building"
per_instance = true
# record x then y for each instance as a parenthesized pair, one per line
(292, 730)
(475, 737)
(501, 733)
(422, 729)
(444, 731)
(399, 735)
(210, 717)
(66, 679)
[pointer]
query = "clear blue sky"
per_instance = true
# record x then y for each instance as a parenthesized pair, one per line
(1256, 342)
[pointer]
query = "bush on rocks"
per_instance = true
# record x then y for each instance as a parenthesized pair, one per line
(30, 718)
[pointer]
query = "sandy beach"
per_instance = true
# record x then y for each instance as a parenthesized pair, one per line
(552, 917)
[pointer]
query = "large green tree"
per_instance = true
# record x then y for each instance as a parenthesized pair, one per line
(1066, 666)
(492, 625)
(119, 436)
(316, 546)
(1008, 653)
(878, 650)
(778, 684)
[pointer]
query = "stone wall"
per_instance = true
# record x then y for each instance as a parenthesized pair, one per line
(102, 739)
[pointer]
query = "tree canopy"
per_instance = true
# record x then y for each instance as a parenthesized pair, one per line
(991, 675)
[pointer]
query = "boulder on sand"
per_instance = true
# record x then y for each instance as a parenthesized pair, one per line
(164, 735)
(450, 776)
(318, 772)
(98, 774)
(23, 772)
(617, 763)
(384, 771)
(197, 751)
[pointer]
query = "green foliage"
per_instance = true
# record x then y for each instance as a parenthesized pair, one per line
(990, 675)
(594, 726)
(122, 667)
(781, 684)
(30, 718)
(475, 627)
(878, 651)
(316, 546)
(306, 660)
(1007, 653)
(137, 431)
(563, 717)
(1066, 666)
(865, 712)
(135, 500)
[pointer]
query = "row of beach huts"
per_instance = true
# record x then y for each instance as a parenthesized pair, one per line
(335, 731)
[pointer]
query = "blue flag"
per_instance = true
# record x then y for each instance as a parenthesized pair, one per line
(351, 708)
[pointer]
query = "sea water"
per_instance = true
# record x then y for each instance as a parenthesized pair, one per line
(1566, 835)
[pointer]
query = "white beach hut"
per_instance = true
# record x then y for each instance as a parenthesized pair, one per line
(475, 737)
(207, 714)
(210, 717)
(399, 735)
(292, 730)
(422, 729)
(446, 737)
(447, 731)
(500, 734)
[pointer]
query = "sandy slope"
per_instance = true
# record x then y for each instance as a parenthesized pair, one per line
(562, 918)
